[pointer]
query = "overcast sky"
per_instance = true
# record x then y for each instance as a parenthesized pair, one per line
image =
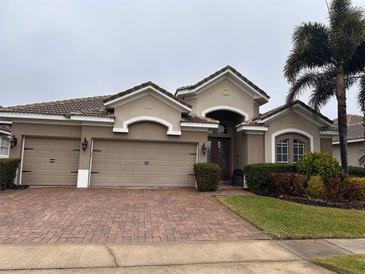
(60, 49)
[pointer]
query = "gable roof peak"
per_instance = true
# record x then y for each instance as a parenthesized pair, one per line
(220, 72)
(144, 85)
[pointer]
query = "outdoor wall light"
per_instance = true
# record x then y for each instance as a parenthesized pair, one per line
(204, 148)
(13, 141)
(84, 144)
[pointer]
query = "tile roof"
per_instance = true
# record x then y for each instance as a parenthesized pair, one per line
(286, 106)
(257, 121)
(90, 106)
(192, 118)
(238, 74)
(144, 85)
(355, 128)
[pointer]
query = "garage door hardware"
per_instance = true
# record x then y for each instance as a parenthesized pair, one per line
(28, 148)
(76, 150)
(146, 163)
(96, 150)
(192, 154)
(26, 171)
(191, 174)
(95, 172)
(74, 172)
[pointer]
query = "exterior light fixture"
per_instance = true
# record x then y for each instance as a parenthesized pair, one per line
(204, 149)
(84, 144)
(13, 141)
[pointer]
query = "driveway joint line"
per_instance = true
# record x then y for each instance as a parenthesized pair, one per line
(345, 249)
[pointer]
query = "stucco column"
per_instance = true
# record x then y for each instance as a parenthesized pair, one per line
(254, 147)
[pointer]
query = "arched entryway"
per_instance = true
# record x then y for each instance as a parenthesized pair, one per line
(223, 142)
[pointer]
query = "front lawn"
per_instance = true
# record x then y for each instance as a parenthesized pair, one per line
(288, 220)
(347, 264)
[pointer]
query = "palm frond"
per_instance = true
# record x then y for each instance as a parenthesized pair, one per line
(347, 29)
(307, 80)
(357, 63)
(311, 49)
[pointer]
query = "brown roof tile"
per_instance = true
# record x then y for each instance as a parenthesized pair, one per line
(90, 105)
(238, 74)
(192, 118)
(283, 107)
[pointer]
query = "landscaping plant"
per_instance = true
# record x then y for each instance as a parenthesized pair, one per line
(293, 184)
(257, 175)
(319, 164)
(8, 168)
(207, 176)
(315, 187)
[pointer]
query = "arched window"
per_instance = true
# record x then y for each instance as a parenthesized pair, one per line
(282, 150)
(298, 150)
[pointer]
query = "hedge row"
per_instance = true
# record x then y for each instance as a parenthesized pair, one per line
(356, 171)
(257, 175)
(8, 168)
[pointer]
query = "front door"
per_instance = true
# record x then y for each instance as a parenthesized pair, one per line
(219, 152)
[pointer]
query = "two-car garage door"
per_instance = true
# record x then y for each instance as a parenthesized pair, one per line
(141, 163)
(54, 161)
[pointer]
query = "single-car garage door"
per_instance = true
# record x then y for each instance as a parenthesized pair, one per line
(134, 163)
(48, 161)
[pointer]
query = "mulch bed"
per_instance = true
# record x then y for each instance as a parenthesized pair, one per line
(345, 204)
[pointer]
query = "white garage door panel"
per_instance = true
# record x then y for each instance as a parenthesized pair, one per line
(50, 161)
(123, 163)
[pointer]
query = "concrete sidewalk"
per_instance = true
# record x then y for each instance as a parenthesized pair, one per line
(251, 256)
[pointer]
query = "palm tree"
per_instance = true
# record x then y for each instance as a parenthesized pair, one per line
(328, 60)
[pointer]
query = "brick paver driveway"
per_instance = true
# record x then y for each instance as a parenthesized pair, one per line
(70, 215)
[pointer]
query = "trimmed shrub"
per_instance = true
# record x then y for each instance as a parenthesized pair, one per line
(8, 169)
(319, 164)
(356, 171)
(354, 189)
(348, 189)
(315, 187)
(293, 184)
(257, 175)
(207, 176)
(334, 189)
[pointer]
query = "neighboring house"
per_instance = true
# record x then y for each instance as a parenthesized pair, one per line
(146, 136)
(355, 140)
(5, 134)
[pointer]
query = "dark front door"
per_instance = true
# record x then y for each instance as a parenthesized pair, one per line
(219, 153)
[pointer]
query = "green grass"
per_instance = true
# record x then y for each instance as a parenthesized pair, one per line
(287, 220)
(347, 264)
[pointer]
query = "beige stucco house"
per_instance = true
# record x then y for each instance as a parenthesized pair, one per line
(355, 140)
(146, 136)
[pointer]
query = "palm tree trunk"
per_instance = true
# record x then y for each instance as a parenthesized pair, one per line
(342, 118)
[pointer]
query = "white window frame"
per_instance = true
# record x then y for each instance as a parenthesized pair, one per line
(297, 145)
(280, 142)
(1, 143)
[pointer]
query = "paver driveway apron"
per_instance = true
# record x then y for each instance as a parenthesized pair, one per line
(70, 215)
